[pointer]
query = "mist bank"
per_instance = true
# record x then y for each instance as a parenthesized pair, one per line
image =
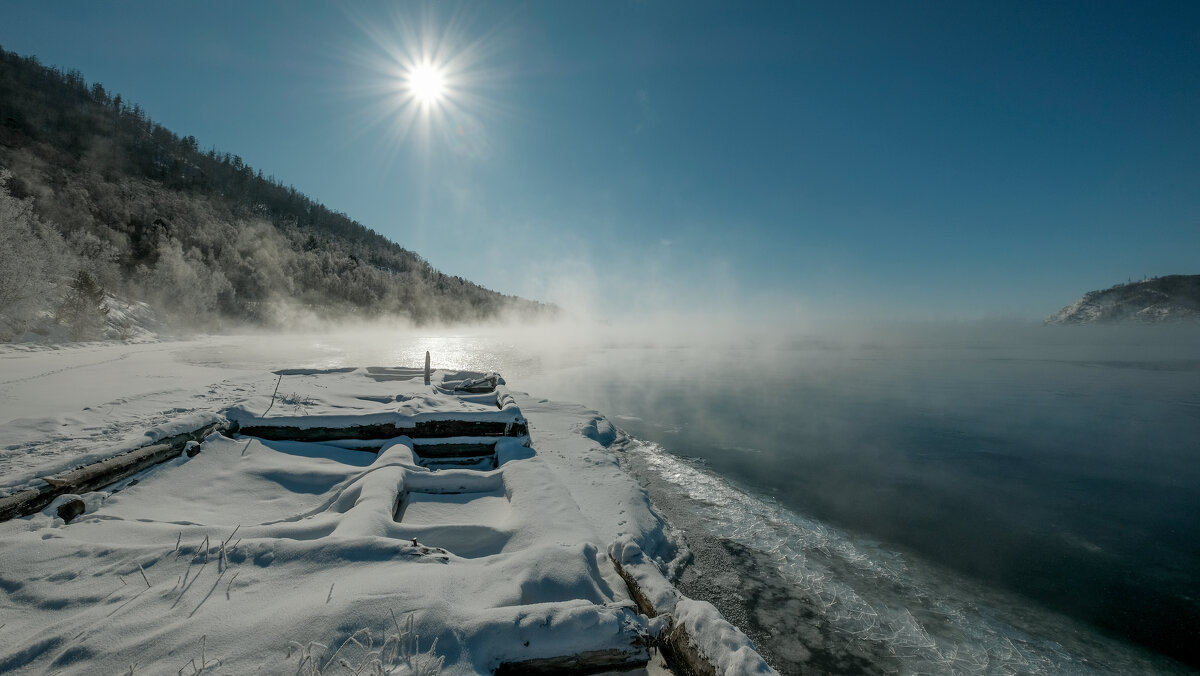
(705, 343)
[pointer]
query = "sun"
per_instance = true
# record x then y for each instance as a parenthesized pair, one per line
(427, 80)
(426, 84)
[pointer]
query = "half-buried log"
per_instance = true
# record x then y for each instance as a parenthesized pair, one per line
(27, 501)
(675, 643)
(70, 509)
(100, 474)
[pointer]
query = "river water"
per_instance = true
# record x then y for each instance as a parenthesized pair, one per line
(965, 500)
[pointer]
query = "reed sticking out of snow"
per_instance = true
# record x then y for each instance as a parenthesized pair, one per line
(358, 654)
(272, 397)
(204, 663)
(230, 585)
(235, 530)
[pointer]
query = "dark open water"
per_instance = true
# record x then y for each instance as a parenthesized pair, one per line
(1017, 503)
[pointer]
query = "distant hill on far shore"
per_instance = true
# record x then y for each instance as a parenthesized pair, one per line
(1171, 298)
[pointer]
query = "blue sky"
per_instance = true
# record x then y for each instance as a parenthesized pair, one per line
(915, 160)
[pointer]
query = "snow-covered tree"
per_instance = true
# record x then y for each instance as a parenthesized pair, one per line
(82, 310)
(27, 257)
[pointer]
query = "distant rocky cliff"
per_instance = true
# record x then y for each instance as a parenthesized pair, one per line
(1162, 299)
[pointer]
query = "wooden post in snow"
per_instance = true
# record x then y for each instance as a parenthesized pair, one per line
(427, 367)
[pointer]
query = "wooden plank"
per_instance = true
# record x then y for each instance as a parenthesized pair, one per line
(454, 450)
(590, 662)
(430, 429)
(481, 462)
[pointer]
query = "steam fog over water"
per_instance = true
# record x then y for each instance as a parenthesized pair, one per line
(991, 500)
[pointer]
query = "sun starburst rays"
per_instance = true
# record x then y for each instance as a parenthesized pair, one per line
(423, 85)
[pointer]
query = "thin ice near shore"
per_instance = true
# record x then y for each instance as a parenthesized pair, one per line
(259, 554)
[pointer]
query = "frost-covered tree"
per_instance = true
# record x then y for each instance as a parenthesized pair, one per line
(82, 309)
(27, 257)
(182, 285)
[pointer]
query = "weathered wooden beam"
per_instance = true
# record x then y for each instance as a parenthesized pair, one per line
(103, 473)
(429, 429)
(590, 662)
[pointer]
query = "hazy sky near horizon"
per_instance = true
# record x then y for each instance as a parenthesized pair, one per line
(923, 160)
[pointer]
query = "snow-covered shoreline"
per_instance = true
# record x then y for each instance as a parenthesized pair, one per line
(253, 546)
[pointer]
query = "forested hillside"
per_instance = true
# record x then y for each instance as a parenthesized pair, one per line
(97, 201)
(1173, 298)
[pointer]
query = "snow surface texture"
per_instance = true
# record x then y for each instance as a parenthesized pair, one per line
(278, 556)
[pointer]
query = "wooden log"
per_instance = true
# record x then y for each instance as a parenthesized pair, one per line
(590, 662)
(677, 647)
(675, 643)
(111, 470)
(27, 501)
(70, 509)
(635, 590)
(431, 429)
(103, 473)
